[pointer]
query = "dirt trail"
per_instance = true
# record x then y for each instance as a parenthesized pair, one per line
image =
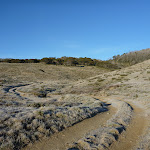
(131, 137)
(127, 140)
(59, 140)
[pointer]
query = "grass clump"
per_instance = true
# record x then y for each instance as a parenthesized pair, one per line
(41, 94)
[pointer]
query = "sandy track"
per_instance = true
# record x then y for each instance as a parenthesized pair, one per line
(59, 140)
(129, 139)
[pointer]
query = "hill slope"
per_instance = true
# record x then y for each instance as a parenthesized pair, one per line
(130, 84)
(131, 58)
(44, 99)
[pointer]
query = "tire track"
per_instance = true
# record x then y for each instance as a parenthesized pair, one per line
(130, 138)
(59, 141)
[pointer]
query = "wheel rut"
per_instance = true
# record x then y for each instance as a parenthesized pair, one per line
(59, 140)
(130, 138)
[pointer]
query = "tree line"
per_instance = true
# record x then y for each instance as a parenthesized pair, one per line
(118, 61)
(66, 61)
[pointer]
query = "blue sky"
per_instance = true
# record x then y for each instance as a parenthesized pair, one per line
(78, 28)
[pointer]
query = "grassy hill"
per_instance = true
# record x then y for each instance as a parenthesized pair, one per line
(42, 72)
(117, 62)
(38, 99)
(131, 58)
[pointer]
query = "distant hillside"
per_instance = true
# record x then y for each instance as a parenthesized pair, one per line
(66, 61)
(117, 62)
(131, 58)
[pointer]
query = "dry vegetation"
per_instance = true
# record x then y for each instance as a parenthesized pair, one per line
(131, 58)
(32, 104)
(130, 84)
(38, 100)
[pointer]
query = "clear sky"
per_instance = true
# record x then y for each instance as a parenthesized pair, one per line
(78, 28)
